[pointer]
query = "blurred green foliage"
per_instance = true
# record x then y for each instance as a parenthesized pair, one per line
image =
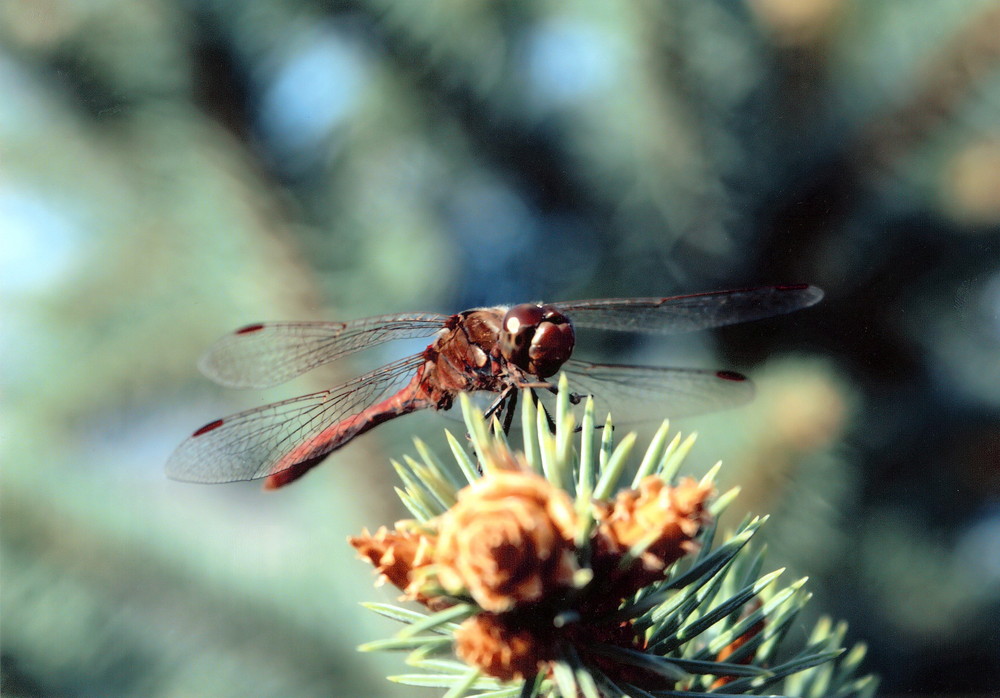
(171, 169)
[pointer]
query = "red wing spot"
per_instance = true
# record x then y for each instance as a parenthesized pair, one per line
(792, 287)
(250, 328)
(724, 375)
(208, 427)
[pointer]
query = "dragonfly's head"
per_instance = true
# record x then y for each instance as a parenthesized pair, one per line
(536, 338)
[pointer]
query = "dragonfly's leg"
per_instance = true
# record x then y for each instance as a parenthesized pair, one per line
(574, 398)
(541, 407)
(507, 395)
(535, 384)
(498, 403)
(508, 417)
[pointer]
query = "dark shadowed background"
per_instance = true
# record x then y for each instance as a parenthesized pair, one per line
(171, 170)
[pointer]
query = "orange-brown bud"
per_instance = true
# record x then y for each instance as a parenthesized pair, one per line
(507, 541)
(396, 554)
(487, 642)
(663, 520)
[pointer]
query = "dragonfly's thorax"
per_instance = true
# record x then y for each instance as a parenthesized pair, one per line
(465, 356)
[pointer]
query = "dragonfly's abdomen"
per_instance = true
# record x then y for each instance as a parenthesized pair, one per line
(308, 455)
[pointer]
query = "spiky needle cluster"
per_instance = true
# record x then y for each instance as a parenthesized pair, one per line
(547, 575)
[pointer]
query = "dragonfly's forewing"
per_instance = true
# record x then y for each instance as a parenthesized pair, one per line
(689, 313)
(269, 353)
(300, 431)
(247, 445)
(636, 394)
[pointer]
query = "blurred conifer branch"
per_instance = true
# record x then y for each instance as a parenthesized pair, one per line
(563, 571)
(950, 76)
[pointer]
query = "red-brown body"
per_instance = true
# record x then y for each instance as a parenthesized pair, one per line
(465, 357)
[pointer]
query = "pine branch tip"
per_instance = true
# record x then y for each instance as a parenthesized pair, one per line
(610, 580)
(709, 477)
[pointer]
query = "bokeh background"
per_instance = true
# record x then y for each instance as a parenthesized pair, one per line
(173, 169)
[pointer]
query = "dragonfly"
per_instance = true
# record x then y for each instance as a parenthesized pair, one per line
(496, 350)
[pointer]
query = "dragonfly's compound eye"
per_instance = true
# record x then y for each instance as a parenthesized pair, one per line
(522, 319)
(516, 331)
(551, 344)
(536, 338)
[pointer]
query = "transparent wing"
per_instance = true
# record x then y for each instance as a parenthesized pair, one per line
(253, 443)
(269, 353)
(688, 313)
(636, 394)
